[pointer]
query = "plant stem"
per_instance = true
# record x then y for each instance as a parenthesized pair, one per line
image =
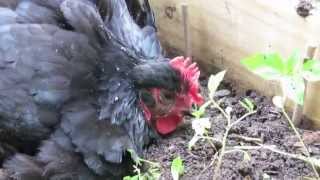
(249, 139)
(216, 105)
(235, 150)
(211, 163)
(210, 140)
(221, 154)
(271, 148)
(243, 117)
(225, 136)
(154, 164)
(298, 134)
(301, 141)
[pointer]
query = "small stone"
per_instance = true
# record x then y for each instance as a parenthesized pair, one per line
(222, 93)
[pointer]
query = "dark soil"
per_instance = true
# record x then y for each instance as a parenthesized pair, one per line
(267, 124)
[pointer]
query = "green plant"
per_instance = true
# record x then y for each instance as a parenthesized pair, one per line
(290, 72)
(201, 125)
(177, 168)
(249, 106)
(152, 173)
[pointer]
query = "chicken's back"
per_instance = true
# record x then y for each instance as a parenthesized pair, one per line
(42, 66)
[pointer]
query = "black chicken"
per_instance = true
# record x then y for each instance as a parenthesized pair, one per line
(91, 78)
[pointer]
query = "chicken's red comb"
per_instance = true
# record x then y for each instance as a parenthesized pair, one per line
(190, 74)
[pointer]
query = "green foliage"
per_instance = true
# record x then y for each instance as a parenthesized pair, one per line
(177, 168)
(134, 156)
(294, 88)
(214, 82)
(198, 113)
(311, 70)
(268, 66)
(201, 125)
(290, 72)
(136, 177)
(152, 173)
(247, 104)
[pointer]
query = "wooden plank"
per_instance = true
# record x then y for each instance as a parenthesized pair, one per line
(298, 109)
(225, 31)
(187, 37)
(311, 108)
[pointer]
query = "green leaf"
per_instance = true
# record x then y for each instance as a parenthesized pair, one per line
(247, 104)
(136, 177)
(292, 64)
(200, 112)
(267, 66)
(153, 173)
(177, 168)
(293, 87)
(214, 82)
(134, 156)
(201, 125)
(311, 70)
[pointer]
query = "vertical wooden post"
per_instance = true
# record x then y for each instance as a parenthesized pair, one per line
(186, 28)
(298, 109)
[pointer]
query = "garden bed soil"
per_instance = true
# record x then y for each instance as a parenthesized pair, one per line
(268, 124)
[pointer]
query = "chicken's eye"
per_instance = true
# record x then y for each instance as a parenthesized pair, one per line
(165, 95)
(147, 98)
(168, 95)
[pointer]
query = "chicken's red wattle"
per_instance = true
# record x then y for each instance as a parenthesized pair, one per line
(168, 124)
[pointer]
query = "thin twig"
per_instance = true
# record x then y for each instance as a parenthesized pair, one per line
(298, 135)
(211, 141)
(301, 141)
(216, 105)
(248, 139)
(271, 148)
(211, 164)
(242, 118)
(154, 164)
(224, 140)
(234, 150)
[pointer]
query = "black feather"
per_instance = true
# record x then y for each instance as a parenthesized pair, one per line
(155, 75)
(142, 41)
(66, 69)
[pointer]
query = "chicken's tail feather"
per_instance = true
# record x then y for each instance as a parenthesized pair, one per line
(132, 24)
(85, 18)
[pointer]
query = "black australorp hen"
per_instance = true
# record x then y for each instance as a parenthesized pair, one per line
(92, 76)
